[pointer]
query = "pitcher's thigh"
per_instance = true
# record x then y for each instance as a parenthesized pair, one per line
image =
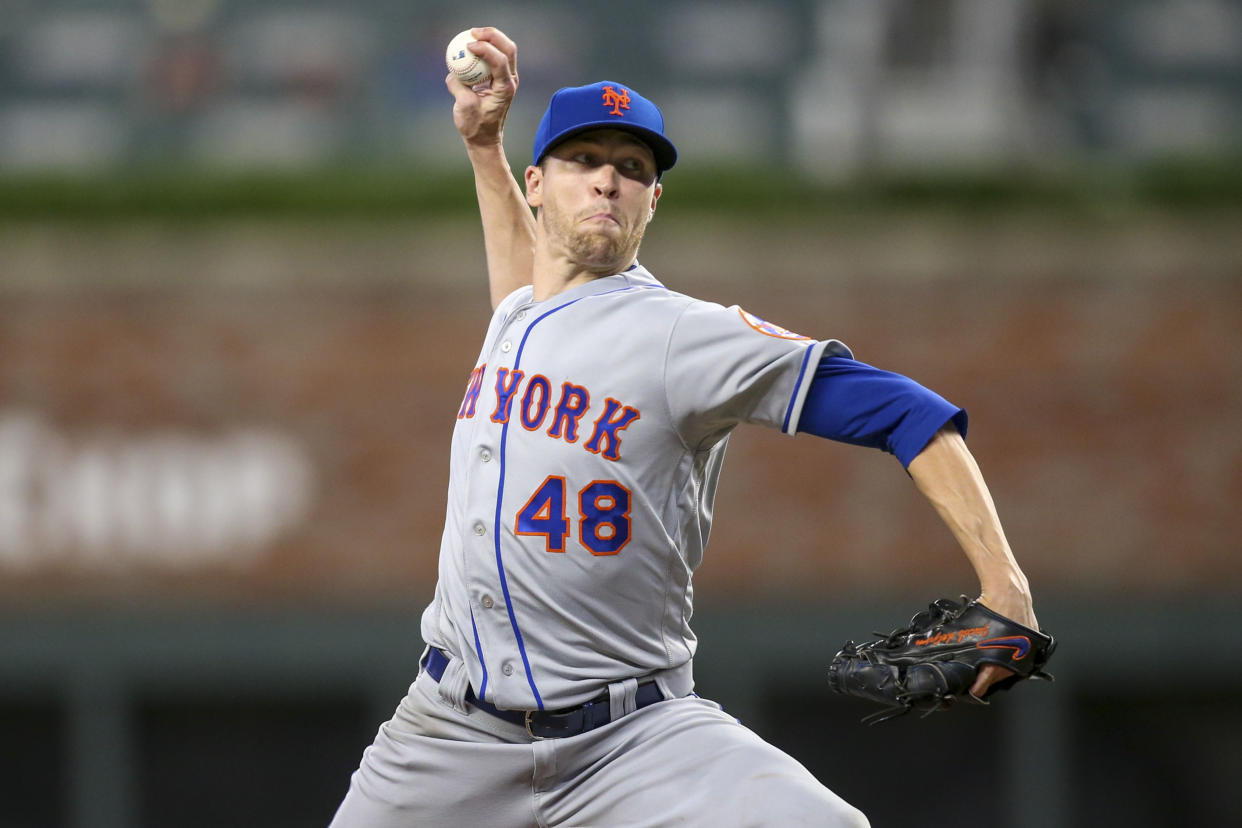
(431, 765)
(686, 762)
(409, 781)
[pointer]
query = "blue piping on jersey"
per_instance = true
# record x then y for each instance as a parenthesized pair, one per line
(478, 648)
(500, 496)
(806, 358)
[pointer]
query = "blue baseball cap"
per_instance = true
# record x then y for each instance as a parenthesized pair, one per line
(603, 105)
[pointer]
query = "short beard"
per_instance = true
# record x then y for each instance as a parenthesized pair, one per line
(598, 253)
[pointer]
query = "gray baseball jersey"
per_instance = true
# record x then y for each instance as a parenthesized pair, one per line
(583, 471)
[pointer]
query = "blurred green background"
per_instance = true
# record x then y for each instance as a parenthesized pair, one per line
(242, 288)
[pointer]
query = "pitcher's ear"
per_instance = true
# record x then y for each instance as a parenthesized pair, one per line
(534, 186)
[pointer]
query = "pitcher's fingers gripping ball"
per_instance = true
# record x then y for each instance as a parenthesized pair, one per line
(480, 110)
(469, 68)
(935, 660)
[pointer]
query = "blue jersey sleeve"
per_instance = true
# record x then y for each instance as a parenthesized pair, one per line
(852, 402)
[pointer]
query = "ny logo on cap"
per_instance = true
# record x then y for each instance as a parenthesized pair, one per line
(617, 100)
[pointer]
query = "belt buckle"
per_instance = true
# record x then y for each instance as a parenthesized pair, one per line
(530, 732)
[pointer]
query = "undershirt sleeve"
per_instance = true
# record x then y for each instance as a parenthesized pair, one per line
(855, 403)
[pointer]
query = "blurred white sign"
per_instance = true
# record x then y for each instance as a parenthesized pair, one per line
(170, 500)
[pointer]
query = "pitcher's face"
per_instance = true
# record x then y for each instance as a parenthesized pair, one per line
(596, 193)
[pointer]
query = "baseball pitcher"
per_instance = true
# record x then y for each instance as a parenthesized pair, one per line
(556, 688)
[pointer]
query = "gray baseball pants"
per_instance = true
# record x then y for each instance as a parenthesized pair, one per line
(677, 762)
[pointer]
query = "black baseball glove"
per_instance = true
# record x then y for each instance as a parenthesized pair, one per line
(934, 661)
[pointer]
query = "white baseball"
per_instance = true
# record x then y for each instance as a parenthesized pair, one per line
(465, 64)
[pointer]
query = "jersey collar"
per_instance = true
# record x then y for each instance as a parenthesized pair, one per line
(635, 276)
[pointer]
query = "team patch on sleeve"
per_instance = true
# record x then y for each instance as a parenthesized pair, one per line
(765, 327)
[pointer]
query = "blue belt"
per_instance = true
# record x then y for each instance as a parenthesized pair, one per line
(548, 724)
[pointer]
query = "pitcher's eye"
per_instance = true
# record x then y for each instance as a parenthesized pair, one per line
(638, 169)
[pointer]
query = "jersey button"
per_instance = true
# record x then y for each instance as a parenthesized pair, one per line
(485, 455)
(507, 669)
(520, 315)
(506, 346)
(480, 529)
(487, 602)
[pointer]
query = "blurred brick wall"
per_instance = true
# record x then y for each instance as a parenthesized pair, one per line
(1105, 413)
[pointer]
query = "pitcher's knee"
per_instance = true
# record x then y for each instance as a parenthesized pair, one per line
(799, 800)
(851, 817)
(840, 814)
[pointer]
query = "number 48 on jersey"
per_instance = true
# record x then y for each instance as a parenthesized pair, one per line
(603, 516)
